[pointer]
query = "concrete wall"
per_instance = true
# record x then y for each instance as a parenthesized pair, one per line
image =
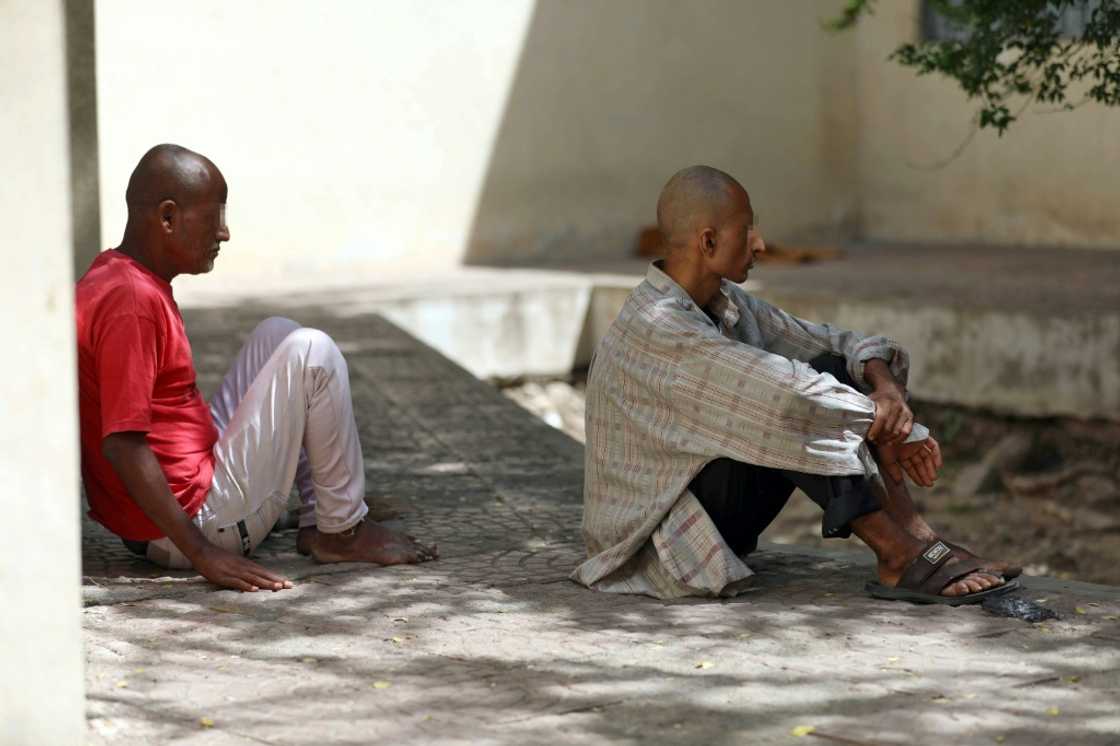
(371, 138)
(81, 98)
(611, 98)
(40, 641)
(354, 135)
(361, 138)
(1050, 181)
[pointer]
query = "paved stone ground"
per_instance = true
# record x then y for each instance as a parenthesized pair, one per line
(492, 644)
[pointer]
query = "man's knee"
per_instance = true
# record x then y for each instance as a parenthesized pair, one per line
(321, 350)
(275, 328)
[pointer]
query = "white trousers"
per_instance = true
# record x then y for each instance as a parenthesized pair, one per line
(284, 415)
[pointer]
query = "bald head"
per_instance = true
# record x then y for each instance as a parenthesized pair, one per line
(696, 198)
(171, 172)
(176, 212)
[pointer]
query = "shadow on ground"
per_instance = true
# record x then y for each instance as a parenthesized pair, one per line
(494, 644)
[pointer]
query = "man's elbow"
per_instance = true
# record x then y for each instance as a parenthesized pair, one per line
(117, 447)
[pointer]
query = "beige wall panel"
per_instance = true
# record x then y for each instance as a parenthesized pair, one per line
(1051, 180)
(365, 138)
(41, 695)
(611, 98)
(354, 135)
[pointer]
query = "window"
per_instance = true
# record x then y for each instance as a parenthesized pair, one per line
(1072, 21)
(936, 27)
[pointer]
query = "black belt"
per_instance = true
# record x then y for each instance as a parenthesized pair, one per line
(246, 545)
(141, 547)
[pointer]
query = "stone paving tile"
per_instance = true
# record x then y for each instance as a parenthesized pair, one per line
(492, 644)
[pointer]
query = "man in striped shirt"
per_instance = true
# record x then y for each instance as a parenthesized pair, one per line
(707, 406)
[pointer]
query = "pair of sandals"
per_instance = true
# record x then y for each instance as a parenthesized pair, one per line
(939, 565)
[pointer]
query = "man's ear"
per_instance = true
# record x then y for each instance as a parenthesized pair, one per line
(168, 215)
(708, 241)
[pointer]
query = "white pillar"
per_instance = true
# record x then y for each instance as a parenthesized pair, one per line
(41, 683)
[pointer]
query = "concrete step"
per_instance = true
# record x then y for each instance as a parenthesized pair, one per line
(1020, 331)
(496, 323)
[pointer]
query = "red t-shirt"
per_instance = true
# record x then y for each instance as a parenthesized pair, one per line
(136, 374)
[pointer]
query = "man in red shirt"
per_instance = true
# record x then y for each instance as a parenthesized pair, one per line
(191, 485)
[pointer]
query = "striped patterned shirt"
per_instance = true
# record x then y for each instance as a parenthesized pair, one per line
(670, 390)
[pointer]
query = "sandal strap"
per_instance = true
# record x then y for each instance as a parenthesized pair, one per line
(949, 573)
(917, 574)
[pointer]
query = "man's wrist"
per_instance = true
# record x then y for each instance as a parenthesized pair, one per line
(193, 544)
(878, 375)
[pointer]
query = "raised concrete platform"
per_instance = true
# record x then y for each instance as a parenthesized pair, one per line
(492, 644)
(497, 323)
(1021, 331)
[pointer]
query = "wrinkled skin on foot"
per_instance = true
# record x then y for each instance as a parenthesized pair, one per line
(977, 581)
(370, 542)
(899, 505)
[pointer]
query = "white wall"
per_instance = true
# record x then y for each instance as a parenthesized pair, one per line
(612, 98)
(40, 638)
(354, 135)
(365, 137)
(1051, 180)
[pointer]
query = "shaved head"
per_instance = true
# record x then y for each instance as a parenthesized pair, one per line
(709, 230)
(176, 212)
(695, 198)
(171, 172)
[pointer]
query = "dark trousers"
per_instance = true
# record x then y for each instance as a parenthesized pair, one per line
(743, 499)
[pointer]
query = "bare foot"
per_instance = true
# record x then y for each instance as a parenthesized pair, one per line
(897, 502)
(370, 542)
(890, 572)
(972, 583)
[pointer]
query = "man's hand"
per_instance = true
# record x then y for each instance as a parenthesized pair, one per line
(231, 570)
(921, 460)
(138, 468)
(893, 418)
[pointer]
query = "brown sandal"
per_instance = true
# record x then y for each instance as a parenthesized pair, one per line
(937, 567)
(1012, 571)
